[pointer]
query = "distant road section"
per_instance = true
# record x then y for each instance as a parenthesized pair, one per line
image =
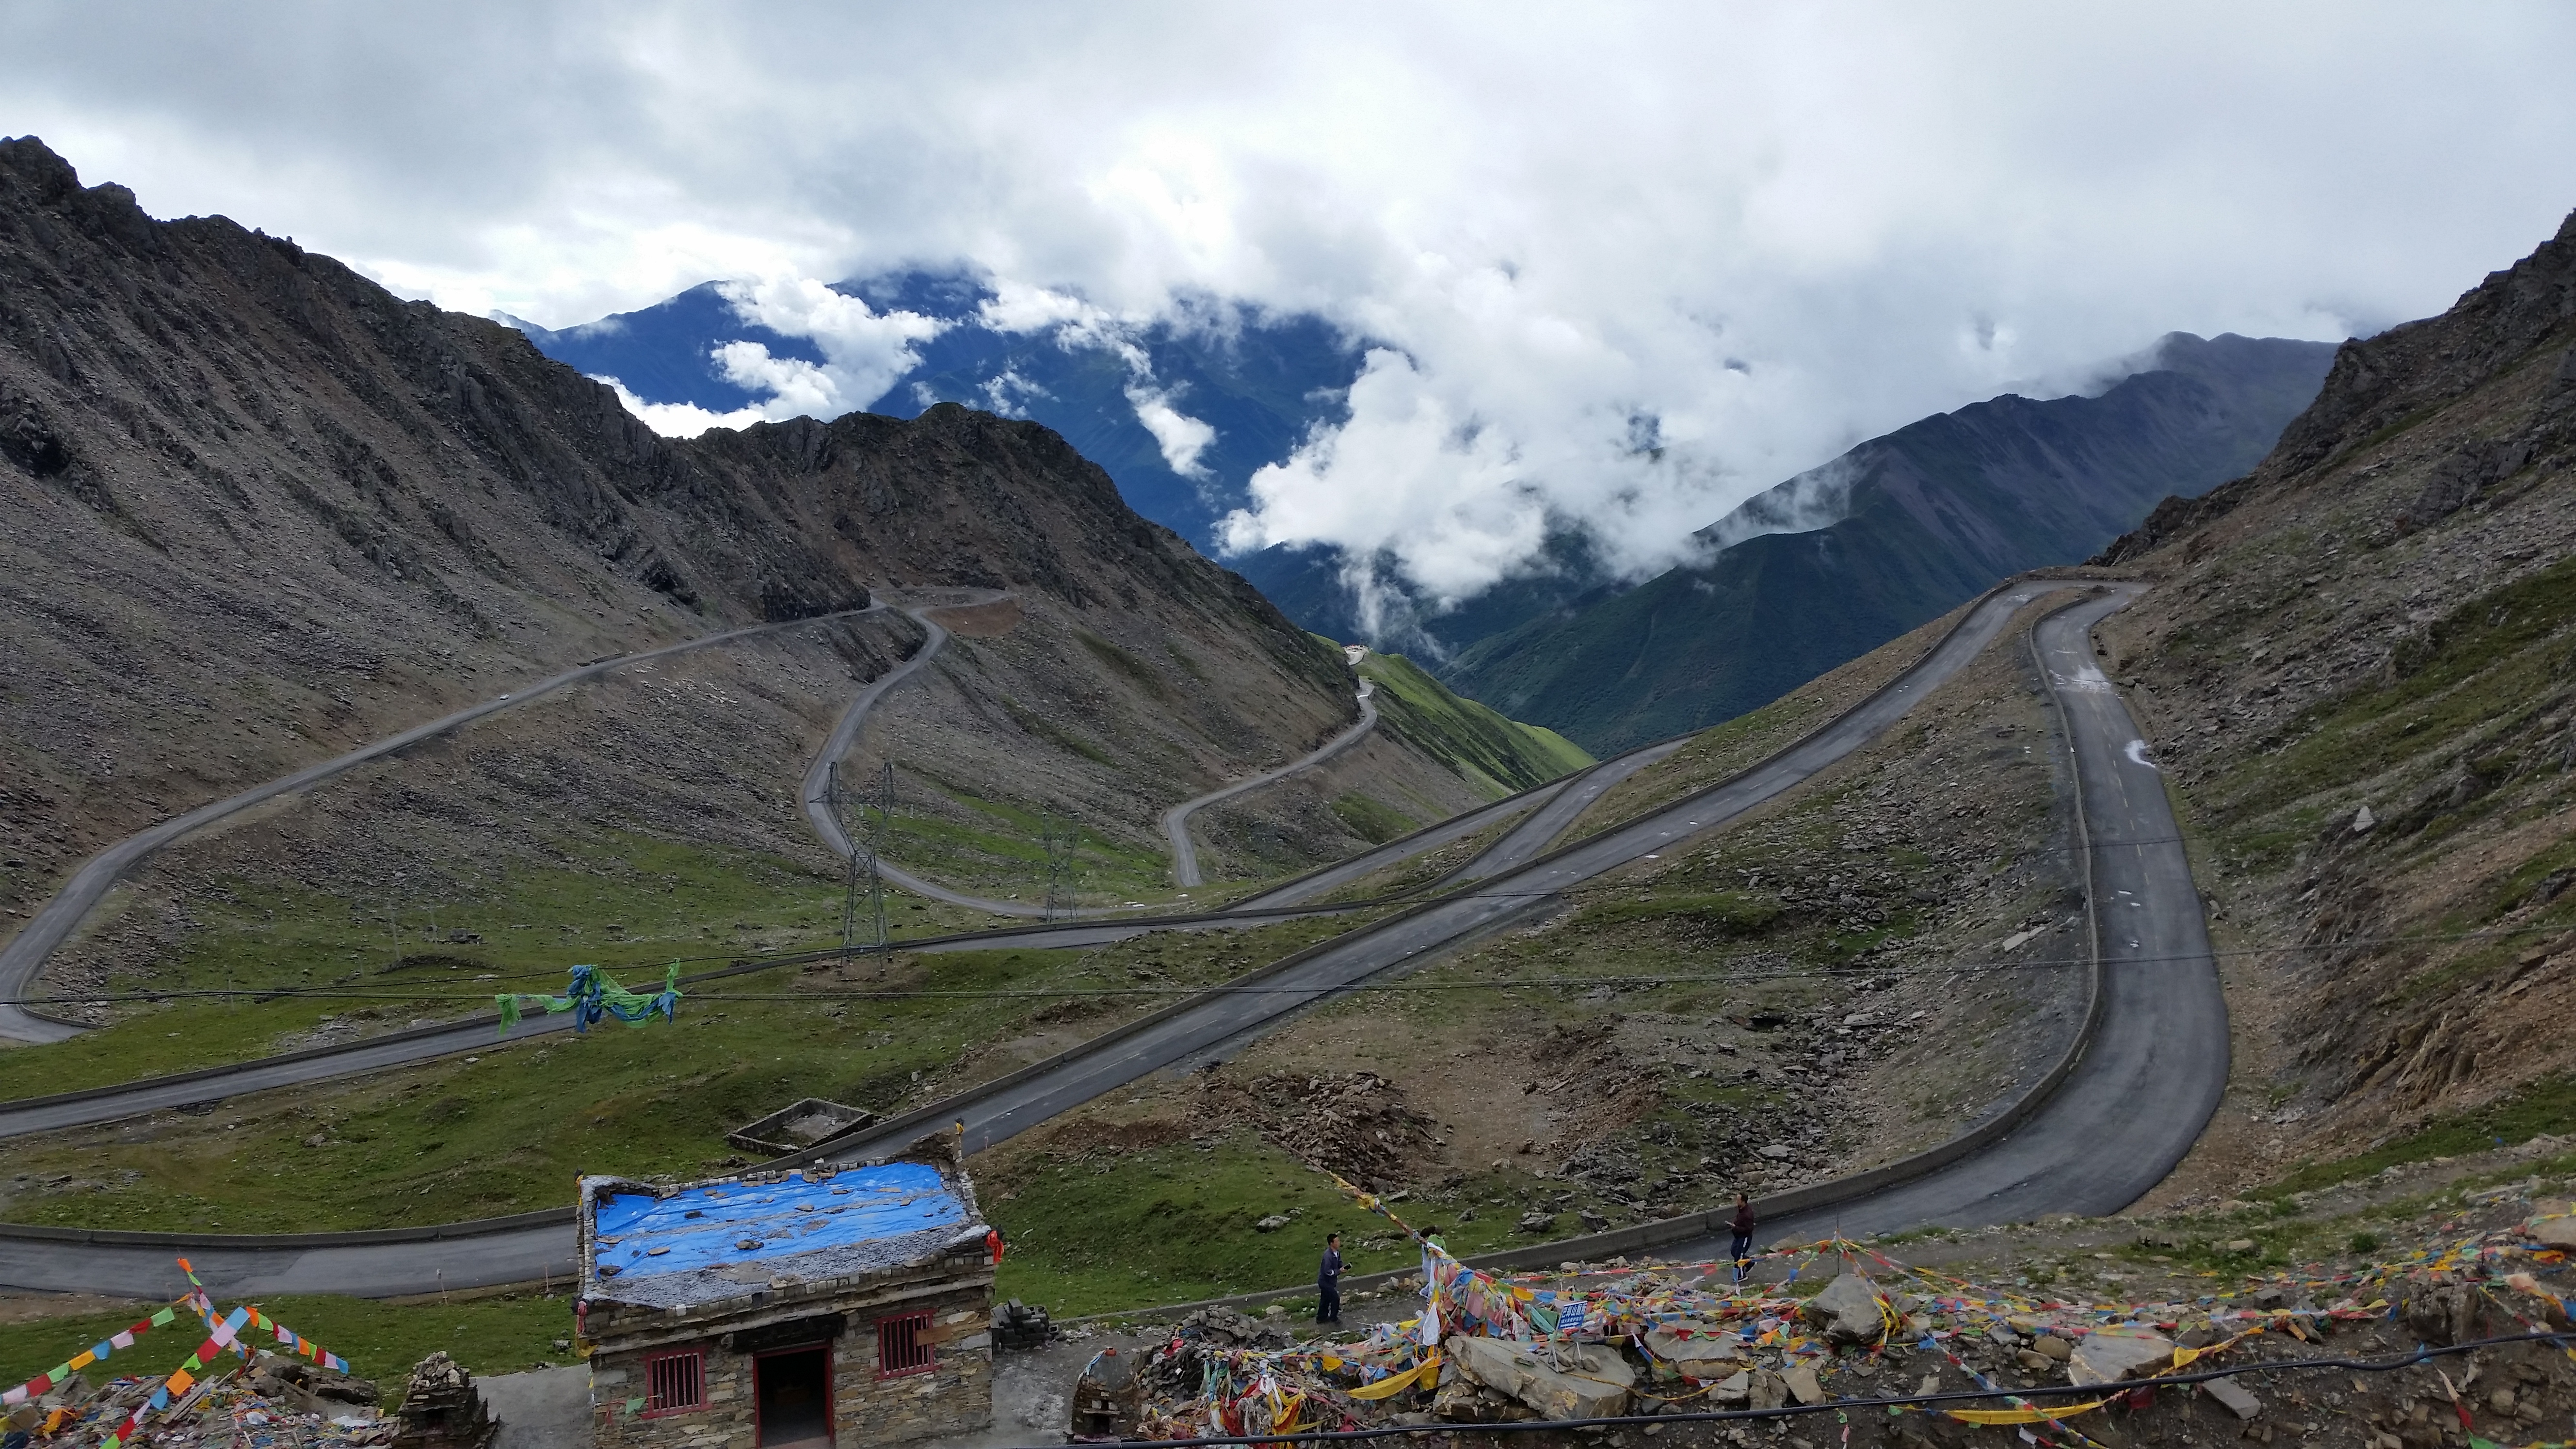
(1176, 821)
(25, 955)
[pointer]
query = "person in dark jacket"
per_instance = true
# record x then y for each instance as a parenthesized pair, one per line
(1741, 1250)
(1328, 1282)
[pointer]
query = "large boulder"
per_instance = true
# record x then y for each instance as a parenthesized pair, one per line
(1849, 1311)
(1698, 1352)
(2108, 1355)
(1800, 1379)
(2443, 1314)
(2551, 1227)
(1594, 1384)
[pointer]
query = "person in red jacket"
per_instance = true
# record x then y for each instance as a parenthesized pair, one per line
(1741, 1250)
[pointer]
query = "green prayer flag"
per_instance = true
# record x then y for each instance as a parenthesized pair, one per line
(635, 1406)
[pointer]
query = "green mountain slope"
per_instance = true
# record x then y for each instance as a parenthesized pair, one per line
(1914, 523)
(1499, 754)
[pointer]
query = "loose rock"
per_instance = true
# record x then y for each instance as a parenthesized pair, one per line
(2108, 1355)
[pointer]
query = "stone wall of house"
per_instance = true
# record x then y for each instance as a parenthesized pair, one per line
(954, 1395)
(727, 1422)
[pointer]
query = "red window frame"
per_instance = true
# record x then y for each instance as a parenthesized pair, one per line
(667, 1375)
(903, 1347)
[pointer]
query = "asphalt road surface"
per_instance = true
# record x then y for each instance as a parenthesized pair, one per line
(2157, 1065)
(1176, 821)
(2132, 1108)
(1205, 1026)
(817, 788)
(26, 953)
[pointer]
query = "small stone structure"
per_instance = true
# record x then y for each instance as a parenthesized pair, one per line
(799, 1125)
(441, 1410)
(808, 1308)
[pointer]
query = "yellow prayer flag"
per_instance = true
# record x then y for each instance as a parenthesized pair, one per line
(1395, 1384)
(2022, 1416)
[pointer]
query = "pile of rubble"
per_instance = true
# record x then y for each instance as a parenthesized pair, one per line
(271, 1402)
(1021, 1326)
(1355, 1124)
(1658, 1340)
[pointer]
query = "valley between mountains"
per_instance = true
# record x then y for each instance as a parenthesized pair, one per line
(1975, 903)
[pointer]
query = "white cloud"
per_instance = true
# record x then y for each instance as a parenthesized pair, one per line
(1181, 437)
(1008, 394)
(1018, 307)
(1771, 231)
(681, 420)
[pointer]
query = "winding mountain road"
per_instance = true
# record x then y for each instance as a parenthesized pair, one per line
(1185, 860)
(482, 1032)
(2156, 1066)
(1176, 821)
(2135, 1102)
(26, 952)
(1206, 1025)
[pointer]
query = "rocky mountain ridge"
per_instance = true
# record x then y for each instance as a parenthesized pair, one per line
(255, 510)
(1833, 563)
(2359, 671)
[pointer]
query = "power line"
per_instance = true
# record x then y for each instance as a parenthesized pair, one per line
(1787, 971)
(1148, 925)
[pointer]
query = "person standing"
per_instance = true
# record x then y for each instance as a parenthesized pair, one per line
(1741, 1250)
(1328, 1282)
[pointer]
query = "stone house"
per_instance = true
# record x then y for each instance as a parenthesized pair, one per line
(812, 1308)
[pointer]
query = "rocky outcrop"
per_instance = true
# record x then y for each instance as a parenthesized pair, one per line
(2353, 672)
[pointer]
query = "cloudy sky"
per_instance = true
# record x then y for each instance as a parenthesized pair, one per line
(1624, 263)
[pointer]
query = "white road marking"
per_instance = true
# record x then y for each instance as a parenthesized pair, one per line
(2136, 750)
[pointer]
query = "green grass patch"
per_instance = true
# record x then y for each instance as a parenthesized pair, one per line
(1000, 844)
(2484, 666)
(1496, 754)
(508, 1131)
(1170, 1224)
(617, 899)
(629, 903)
(1730, 912)
(381, 1341)
(1371, 819)
(2545, 1106)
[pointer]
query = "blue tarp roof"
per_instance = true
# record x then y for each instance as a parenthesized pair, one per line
(718, 1224)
